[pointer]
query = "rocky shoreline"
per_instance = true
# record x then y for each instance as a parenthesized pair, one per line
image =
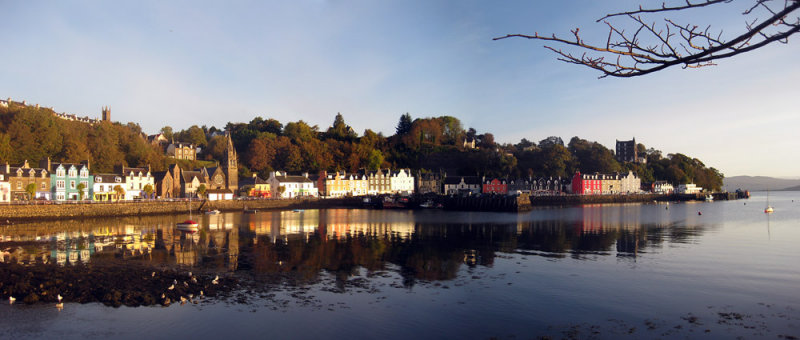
(111, 285)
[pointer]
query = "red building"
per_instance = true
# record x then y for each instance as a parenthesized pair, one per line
(587, 184)
(495, 186)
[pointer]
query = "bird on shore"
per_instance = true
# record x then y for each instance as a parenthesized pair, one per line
(190, 274)
(153, 274)
(183, 300)
(185, 284)
(11, 300)
(174, 282)
(59, 298)
(60, 306)
(171, 287)
(194, 280)
(201, 293)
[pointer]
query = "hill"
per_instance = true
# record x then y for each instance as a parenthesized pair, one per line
(760, 183)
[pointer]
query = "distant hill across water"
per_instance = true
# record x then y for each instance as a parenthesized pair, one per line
(761, 183)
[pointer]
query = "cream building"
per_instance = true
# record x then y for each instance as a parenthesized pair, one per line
(401, 182)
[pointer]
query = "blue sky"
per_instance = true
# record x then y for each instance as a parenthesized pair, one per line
(176, 63)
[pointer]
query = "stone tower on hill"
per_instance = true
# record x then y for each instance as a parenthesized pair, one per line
(106, 114)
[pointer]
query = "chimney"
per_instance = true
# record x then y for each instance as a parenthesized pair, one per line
(8, 168)
(45, 163)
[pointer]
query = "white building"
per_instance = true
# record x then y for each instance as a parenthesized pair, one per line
(402, 182)
(630, 183)
(292, 186)
(103, 187)
(5, 189)
(688, 189)
(662, 187)
(135, 181)
(462, 185)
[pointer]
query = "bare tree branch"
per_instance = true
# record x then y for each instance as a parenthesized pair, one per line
(676, 44)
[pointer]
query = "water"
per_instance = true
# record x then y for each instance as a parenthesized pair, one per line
(598, 271)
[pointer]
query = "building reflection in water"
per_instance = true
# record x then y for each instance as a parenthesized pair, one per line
(340, 241)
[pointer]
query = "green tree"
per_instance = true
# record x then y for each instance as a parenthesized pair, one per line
(340, 130)
(30, 189)
(404, 125)
(375, 160)
(201, 190)
(81, 190)
(167, 131)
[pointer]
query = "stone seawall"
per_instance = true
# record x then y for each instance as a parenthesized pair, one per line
(92, 210)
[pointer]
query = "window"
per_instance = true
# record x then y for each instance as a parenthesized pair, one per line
(84, 173)
(60, 184)
(117, 179)
(44, 186)
(19, 185)
(72, 184)
(73, 173)
(60, 196)
(60, 172)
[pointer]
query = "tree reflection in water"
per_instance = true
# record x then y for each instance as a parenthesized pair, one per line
(299, 247)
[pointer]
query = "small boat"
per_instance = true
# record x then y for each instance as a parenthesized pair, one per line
(768, 209)
(249, 211)
(297, 210)
(188, 225)
(427, 204)
(709, 198)
(212, 212)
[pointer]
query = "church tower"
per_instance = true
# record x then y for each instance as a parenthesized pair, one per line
(231, 166)
(106, 114)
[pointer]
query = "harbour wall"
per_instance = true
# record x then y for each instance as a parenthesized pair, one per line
(28, 212)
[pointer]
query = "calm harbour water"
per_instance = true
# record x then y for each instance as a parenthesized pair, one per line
(599, 271)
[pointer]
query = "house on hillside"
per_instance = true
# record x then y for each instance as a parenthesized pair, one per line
(180, 150)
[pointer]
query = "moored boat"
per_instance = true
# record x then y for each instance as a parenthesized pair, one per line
(188, 225)
(212, 212)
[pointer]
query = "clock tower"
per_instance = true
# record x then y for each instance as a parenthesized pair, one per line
(231, 166)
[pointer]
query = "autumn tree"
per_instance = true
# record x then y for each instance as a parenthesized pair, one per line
(658, 40)
(148, 190)
(119, 191)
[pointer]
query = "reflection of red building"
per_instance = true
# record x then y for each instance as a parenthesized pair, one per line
(586, 184)
(592, 218)
(495, 186)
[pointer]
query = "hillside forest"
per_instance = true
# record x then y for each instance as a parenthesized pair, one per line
(432, 144)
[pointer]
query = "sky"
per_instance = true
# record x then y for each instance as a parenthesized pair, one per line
(180, 63)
